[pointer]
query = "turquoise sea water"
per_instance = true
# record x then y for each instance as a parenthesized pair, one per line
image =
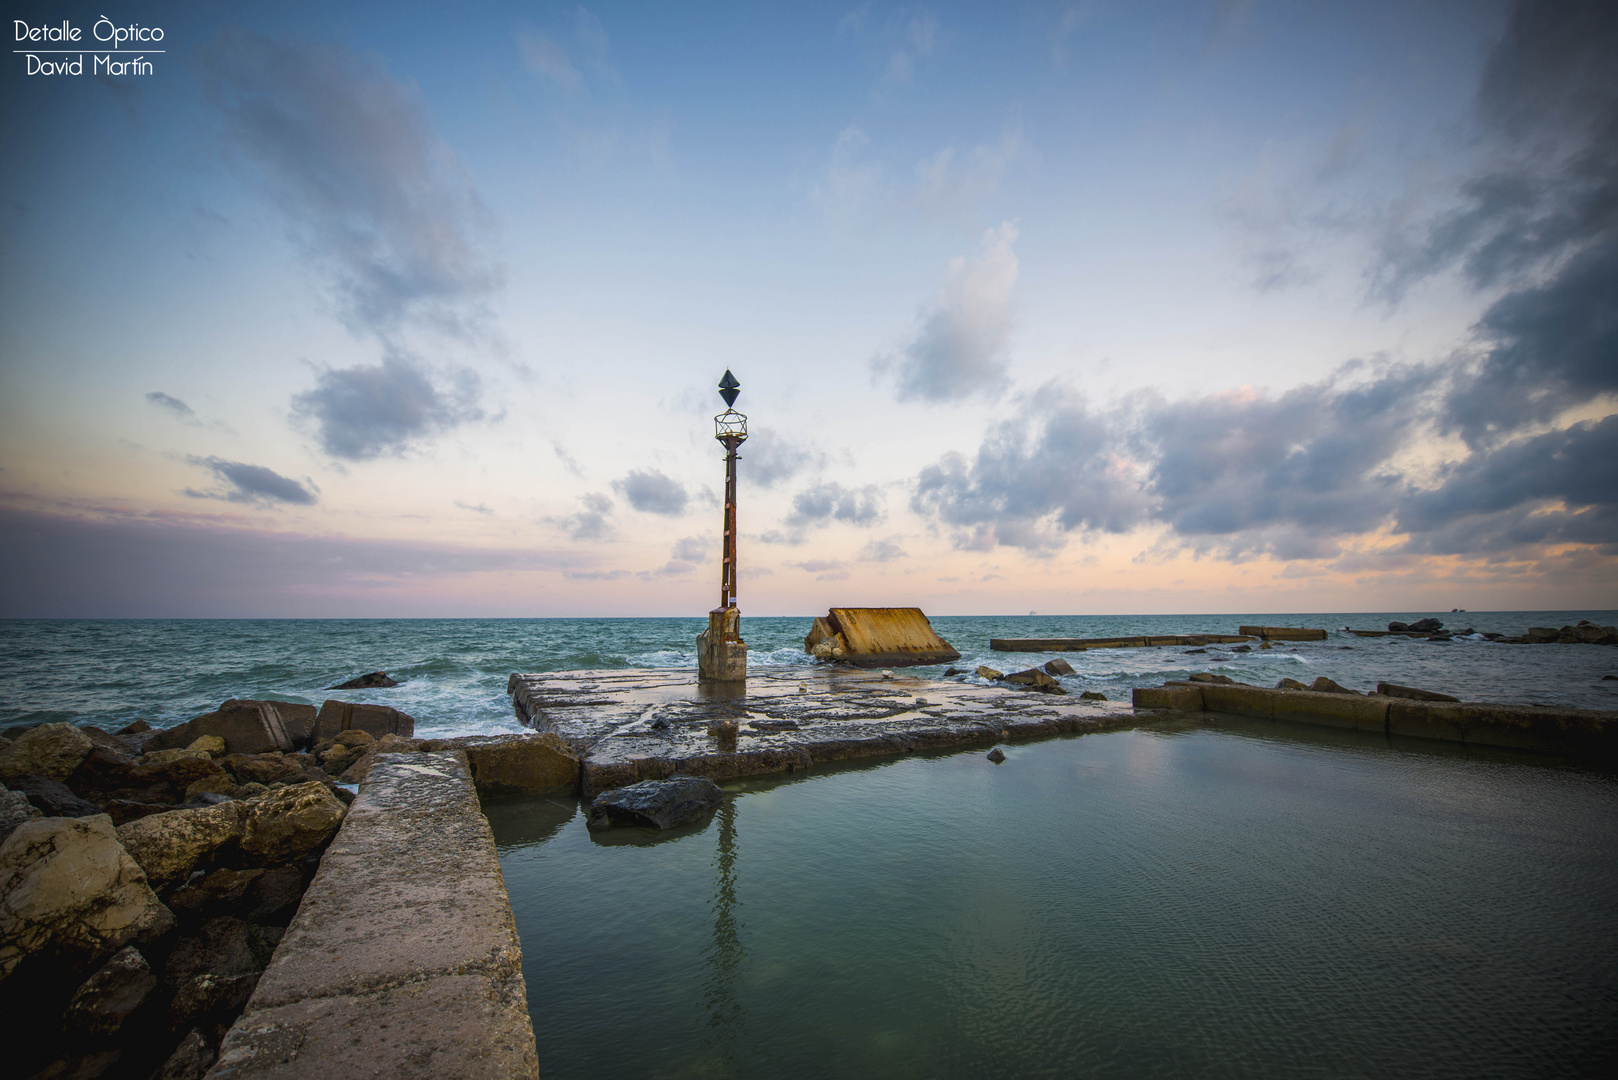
(110, 672)
(1226, 899)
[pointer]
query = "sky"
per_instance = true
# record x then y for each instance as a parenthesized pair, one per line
(393, 310)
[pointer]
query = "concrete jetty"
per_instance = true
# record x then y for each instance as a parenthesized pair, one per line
(403, 959)
(627, 726)
(1583, 733)
(1137, 642)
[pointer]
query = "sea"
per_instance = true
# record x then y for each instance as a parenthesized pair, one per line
(452, 672)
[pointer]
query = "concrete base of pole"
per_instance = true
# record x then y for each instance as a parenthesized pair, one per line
(721, 653)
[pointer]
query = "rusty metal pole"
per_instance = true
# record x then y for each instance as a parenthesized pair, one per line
(721, 652)
(727, 566)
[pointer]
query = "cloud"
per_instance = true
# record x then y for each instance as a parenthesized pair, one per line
(650, 492)
(478, 508)
(151, 566)
(824, 503)
(772, 458)
(885, 550)
(591, 522)
(546, 58)
(823, 569)
(174, 405)
(350, 155)
(958, 350)
(948, 183)
(252, 484)
(365, 412)
(693, 549)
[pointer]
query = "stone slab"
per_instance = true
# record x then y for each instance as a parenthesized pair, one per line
(628, 726)
(403, 959)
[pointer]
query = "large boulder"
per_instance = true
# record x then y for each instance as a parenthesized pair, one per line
(661, 804)
(1323, 685)
(69, 889)
(291, 822)
(52, 750)
(1058, 666)
(298, 720)
(248, 727)
(1035, 679)
(512, 764)
(169, 846)
(261, 768)
(52, 797)
(376, 680)
(379, 720)
(107, 998)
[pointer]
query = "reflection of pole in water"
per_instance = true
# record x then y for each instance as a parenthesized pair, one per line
(725, 953)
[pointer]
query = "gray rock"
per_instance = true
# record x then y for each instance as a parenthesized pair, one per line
(379, 720)
(1093, 695)
(248, 727)
(375, 680)
(1290, 684)
(210, 1000)
(288, 823)
(1387, 689)
(14, 810)
(52, 750)
(1058, 666)
(52, 797)
(996, 755)
(190, 1060)
(225, 946)
(1035, 679)
(1208, 676)
(69, 889)
(661, 804)
(169, 846)
(108, 997)
(1323, 685)
(1426, 626)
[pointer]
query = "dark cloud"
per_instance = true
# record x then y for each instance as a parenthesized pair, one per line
(959, 348)
(352, 158)
(772, 458)
(591, 522)
(252, 484)
(824, 503)
(173, 405)
(1054, 469)
(157, 567)
(365, 412)
(650, 492)
(885, 550)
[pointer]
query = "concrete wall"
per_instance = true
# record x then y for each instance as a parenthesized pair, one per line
(403, 960)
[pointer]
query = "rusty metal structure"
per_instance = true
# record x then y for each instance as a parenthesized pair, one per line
(877, 637)
(721, 652)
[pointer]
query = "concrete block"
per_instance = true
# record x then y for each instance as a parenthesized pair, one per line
(403, 959)
(1519, 727)
(516, 764)
(378, 720)
(248, 727)
(1353, 711)
(1179, 698)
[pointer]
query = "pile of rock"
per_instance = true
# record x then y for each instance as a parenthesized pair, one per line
(146, 876)
(1585, 633)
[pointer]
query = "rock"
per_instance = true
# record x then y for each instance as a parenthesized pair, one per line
(1058, 666)
(1205, 676)
(724, 732)
(224, 946)
(387, 744)
(517, 763)
(123, 811)
(218, 784)
(211, 1000)
(1037, 680)
(1265, 645)
(953, 671)
(661, 804)
(80, 1066)
(996, 755)
(170, 845)
(70, 891)
(175, 769)
(1323, 685)
(1398, 627)
(288, 823)
(137, 728)
(984, 671)
(1426, 626)
(212, 745)
(52, 797)
(52, 750)
(354, 738)
(1609, 678)
(108, 997)
(1193, 652)
(1290, 684)
(247, 727)
(219, 892)
(190, 1060)
(1387, 689)
(339, 716)
(1093, 695)
(297, 720)
(1242, 648)
(261, 768)
(14, 810)
(375, 680)
(105, 769)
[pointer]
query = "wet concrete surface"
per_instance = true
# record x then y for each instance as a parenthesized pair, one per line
(641, 724)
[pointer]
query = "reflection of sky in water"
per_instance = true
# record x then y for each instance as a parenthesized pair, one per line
(454, 670)
(1215, 899)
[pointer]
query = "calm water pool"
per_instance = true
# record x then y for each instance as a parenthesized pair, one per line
(1224, 899)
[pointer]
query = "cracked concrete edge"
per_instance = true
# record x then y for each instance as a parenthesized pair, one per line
(403, 958)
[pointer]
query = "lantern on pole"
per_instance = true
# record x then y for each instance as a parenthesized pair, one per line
(721, 652)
